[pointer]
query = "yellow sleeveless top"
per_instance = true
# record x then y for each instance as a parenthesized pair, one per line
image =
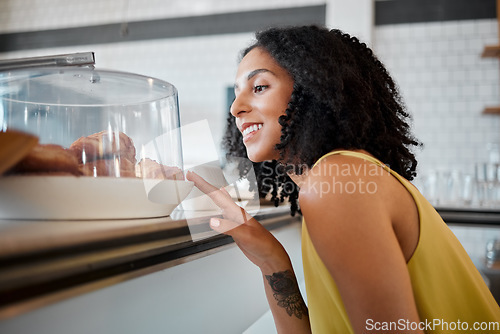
(446, 284)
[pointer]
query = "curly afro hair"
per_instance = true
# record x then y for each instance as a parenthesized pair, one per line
(343, 97)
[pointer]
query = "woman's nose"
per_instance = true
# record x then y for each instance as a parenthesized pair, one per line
(239, 105)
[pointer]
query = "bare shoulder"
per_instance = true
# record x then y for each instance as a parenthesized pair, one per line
(340, 180)
(359, 198)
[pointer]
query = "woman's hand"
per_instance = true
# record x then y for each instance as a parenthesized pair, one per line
(262, 248)
(256, 242)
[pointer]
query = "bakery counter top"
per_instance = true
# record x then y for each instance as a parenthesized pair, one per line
(42, 262)
(470, 216)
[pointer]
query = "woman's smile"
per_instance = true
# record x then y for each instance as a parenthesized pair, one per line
(249, 130)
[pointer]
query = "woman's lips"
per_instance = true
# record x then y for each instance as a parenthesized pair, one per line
(249, 131)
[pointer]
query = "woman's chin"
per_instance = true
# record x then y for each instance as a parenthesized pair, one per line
(260, 155)
(254, 158)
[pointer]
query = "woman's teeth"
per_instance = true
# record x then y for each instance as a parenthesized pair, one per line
(251, 128)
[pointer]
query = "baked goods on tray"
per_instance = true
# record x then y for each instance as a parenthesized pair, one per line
(47, 159)
(109, 167)
(150, 169)
(103, 145)
(111, 154)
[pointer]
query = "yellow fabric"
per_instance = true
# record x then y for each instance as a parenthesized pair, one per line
(446, 284)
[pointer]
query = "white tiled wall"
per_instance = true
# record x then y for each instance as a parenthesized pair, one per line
(446, 85)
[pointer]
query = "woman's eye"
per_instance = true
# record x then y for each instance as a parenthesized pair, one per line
(259, 88)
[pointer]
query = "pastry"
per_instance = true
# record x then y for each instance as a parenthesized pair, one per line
(104, 145)
(150, 169)
(109, 167)
(47, 159)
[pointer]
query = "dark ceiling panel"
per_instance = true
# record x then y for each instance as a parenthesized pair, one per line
(412, 11)
(226, 23)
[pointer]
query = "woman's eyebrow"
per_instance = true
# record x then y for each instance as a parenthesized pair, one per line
(257, 71)
(254, 73)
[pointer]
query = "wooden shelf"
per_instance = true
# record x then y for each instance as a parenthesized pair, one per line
(492, 110)
(491, 51)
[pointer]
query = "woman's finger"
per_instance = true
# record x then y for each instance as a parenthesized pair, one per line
(224, 225)
(200, 183)
(220, 198)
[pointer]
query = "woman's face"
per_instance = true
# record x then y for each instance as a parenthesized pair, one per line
(263, 90)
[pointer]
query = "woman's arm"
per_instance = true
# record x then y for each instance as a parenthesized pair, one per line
(285, 300)
(265, 251)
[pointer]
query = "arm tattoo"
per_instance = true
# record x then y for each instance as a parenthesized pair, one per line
(286, 292)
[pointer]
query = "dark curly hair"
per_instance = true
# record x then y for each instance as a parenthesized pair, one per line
(343, 97)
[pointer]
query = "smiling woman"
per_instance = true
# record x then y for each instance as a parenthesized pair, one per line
(320, 104)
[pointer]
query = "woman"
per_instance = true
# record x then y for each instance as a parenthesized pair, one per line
(377, 257)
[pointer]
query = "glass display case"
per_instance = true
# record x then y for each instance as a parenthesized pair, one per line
(109, 144)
